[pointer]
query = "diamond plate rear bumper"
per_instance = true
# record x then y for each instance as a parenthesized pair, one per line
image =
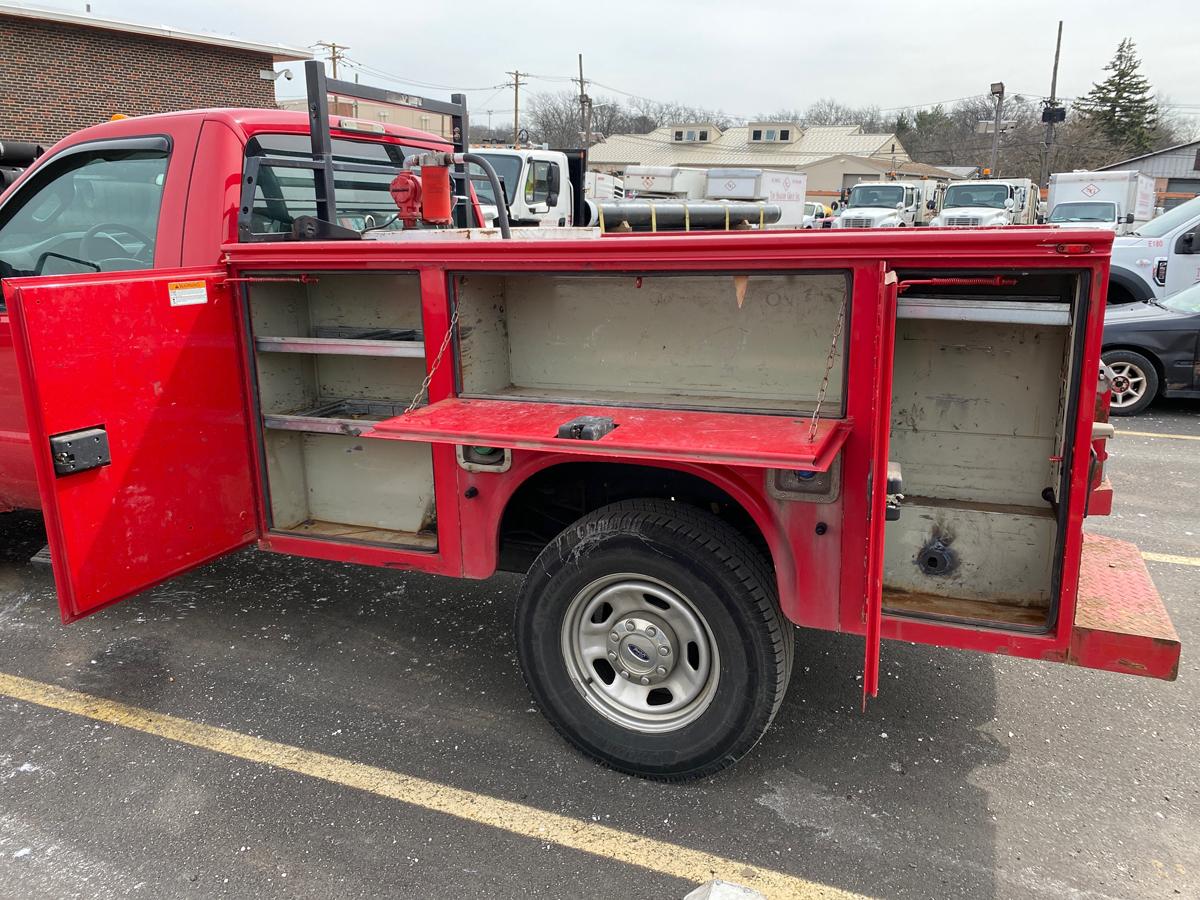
(1121, 624)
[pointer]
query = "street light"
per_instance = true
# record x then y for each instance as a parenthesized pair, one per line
(998, 93)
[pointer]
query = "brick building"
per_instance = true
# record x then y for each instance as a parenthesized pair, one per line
(61, 71)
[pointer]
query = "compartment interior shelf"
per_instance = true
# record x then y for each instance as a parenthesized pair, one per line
(347, 341)
(343, 416)
(764, 441)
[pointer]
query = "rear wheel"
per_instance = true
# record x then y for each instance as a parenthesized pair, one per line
(650, 635)
(1134, 382)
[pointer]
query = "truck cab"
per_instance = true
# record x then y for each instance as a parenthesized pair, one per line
(1158, 259)
(889, 204)
(162, 191)
(537, 187)
(988, 203)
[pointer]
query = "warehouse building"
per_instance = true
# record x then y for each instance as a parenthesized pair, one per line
(834, 157)
(1175, 170)
(61, 71)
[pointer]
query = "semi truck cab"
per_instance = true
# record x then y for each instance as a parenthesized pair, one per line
(536, 183)
(889, 204)
(988, 203)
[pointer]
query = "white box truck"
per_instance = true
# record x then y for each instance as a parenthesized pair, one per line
(1119, 200)
(889, 204)
(985, 203)
(783, 189)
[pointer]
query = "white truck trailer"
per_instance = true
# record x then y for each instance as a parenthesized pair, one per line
(665, 182)
(986, 203)
(1119, 201)
(782, 189)
(889, 204)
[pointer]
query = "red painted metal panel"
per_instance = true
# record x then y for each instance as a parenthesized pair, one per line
(885, 351)
(664, 434)
(1120, 622)
(159, 369)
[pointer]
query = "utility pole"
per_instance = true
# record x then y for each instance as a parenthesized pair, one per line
(1050, 114)
(516, 85)
(585, 107)
(336, 52)
(998, 93)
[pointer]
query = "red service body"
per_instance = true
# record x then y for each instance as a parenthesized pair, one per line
(689, 442)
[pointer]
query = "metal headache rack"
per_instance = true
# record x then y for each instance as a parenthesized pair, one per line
(323, 165)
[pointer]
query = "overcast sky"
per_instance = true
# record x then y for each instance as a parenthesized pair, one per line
(745, 58)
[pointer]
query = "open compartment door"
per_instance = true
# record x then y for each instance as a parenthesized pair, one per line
(727, 438)
(877, 501)
(134, 395)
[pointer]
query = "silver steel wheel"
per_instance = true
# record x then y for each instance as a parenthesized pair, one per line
(640, 653)
(1128, 384)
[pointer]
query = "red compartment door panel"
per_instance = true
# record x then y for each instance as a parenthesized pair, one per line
(152, 359)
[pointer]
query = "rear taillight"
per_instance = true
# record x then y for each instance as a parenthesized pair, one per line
(1160, 271)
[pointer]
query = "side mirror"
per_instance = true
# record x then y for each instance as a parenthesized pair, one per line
(554, 184)
(1129, 218)
(900, 205)
(552, 199)
(1008, 204)
(930, 205)
(1041, 220)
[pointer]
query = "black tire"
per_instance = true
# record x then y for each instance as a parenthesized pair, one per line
(720, 576)
(1139, 373)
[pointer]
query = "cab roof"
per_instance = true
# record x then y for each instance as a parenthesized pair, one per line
(248, 122)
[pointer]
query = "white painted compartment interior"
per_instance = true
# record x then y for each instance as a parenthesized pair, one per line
(658, 340)
(336, 485)
(977, 415)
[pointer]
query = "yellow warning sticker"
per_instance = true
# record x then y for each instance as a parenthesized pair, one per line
(187, 293)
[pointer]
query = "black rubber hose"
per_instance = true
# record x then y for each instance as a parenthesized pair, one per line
(497, 191)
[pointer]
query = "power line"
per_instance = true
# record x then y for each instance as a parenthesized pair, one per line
(414, 82)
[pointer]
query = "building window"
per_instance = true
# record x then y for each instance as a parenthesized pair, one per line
(1196, 165)
(691, 135)
(679, 135)
(704, 135)
(785, 134)
(756, 134)
(770, 134)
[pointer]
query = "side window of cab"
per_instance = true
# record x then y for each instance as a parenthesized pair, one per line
(93, 208)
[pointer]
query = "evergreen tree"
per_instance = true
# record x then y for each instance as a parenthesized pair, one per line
(1122, 107)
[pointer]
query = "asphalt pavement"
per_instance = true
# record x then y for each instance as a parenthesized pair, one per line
(970, 776)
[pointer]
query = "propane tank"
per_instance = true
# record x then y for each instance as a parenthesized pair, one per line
(436, 200)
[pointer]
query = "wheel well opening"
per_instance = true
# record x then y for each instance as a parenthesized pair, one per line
(1119, 293)
(551, 500)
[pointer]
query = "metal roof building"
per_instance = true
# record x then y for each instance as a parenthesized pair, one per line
(1175, 170)
(773, 145)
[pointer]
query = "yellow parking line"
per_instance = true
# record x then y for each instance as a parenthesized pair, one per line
(481, 809)
(1158, 434)
(1170, 558)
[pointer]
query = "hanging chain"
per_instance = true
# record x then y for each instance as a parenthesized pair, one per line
(437, 361)
(833, 348)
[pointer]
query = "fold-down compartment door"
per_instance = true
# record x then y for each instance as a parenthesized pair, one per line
(134, 398)
(738, 439)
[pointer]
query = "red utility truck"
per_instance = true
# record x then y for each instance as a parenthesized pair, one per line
(689, 443)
